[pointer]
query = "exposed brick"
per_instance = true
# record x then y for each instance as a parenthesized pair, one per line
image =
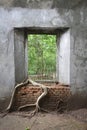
(29, 95)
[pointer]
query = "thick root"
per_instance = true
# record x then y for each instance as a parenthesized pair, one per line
(28, 105)
(13, 94)
(38, 99)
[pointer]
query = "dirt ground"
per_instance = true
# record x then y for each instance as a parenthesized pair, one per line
(72, 120)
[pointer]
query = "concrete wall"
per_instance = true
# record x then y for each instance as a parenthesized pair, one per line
(20, 56)
(64, 57)
(19, 17)
(79, 59)
(44, 4)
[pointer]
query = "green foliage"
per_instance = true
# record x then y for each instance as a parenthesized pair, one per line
(41, 54)
(27, 128)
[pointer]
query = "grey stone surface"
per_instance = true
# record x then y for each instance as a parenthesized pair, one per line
(64, 57)
(20, 56)
(75, 19)
(44, 4)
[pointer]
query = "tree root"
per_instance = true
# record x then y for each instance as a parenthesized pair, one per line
(36, 105)
(61, 106)
(27, 105)
(38, 108)
(14, 92)
(8, 109)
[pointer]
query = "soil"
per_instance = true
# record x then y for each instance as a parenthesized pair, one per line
(72, 120)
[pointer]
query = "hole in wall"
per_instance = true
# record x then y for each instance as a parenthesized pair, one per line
(42, 57)
(62, 52)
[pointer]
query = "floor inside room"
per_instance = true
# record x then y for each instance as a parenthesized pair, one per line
(72, 120)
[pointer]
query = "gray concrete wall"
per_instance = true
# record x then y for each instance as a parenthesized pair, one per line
(64, 57)
(44, 4)
(79, 59)
(7, 76)
(76, 20)
(20, 56)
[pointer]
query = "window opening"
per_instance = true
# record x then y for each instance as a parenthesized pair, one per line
(42, 56)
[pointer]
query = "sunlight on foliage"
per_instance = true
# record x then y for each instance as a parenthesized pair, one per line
(41, 54)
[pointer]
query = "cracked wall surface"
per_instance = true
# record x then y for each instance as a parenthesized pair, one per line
(46, 15)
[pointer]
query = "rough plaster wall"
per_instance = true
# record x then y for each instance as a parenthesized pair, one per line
(79, 60)
(20, 56)
(19, 17)
(44, 4)
(6, 61)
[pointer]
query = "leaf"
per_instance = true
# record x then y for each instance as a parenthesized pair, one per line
(41, 53)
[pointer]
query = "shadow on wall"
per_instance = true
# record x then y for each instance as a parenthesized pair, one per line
(4, 103)
(77, 101)
(69, 4)
(18, 3)
(33, 4)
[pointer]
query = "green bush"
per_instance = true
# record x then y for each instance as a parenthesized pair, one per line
(41, 54)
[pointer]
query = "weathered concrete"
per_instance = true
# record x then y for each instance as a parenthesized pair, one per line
(20, 49)
(44, 4)
(11, 18)
(64, 57)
